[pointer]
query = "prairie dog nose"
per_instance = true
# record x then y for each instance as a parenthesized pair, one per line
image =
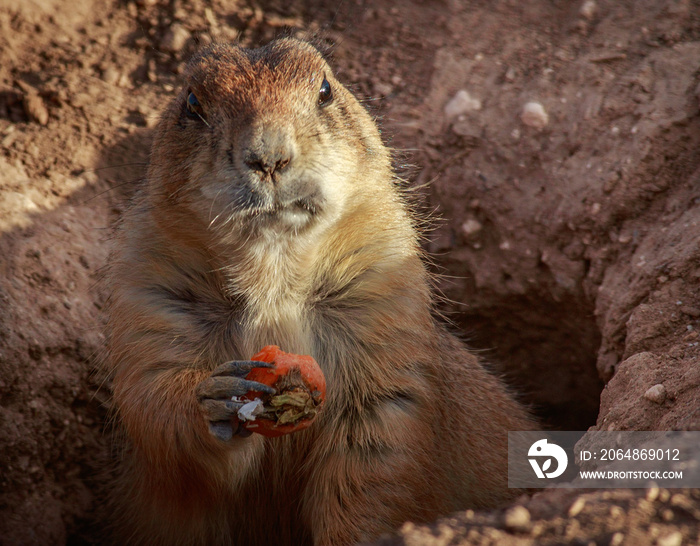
(270, 151)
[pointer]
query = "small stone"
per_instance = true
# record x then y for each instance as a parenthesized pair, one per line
(675, 538)
(8, 140)
(33, 150)
(652, 493)
(471, 227)
(538, 529)
(624, 238)
(617, 539)
(611, 182)
(595, 208)
(408, 527)
(572, 529)
(616, 512)
(690, 311)
(691, 336)
(517, 518)
(656, 394)
(534, 115)
(576, 507)
(175, 38)
(461, 104)
(682, 501)
(35, 108)
(204, 39)
(664, 495)
(111, 75)
(588, 9)
(210, 17)
(383, 89)
(465, 128)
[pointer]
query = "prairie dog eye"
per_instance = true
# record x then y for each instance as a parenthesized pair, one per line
(325, 94)
(194, 109)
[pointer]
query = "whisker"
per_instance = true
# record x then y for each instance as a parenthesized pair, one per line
(211, 208)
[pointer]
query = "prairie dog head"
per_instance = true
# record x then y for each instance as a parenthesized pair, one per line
(265, 142)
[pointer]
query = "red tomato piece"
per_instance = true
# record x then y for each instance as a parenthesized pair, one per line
(301, 392)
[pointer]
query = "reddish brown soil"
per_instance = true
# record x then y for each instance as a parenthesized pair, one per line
(569, 252)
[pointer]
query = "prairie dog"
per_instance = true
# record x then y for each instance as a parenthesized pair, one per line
(271, 216)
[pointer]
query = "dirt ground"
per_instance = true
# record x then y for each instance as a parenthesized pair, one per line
(566, 232)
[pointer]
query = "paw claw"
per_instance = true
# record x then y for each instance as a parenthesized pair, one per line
(215, 395)
(239, 368)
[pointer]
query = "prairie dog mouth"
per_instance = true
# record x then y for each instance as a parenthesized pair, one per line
(302, 205)
(310, 205)
(292, 205)
(295, 214)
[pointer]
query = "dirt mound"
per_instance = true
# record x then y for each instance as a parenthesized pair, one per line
(557, 143)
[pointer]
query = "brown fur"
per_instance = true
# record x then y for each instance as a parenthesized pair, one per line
(413, 427)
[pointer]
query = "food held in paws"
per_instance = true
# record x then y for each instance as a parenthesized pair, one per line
(301, 391)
